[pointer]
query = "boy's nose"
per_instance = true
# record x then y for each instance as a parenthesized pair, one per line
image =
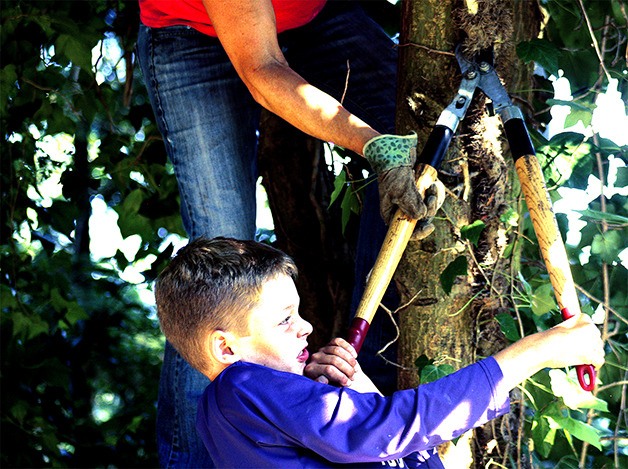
(306, 328)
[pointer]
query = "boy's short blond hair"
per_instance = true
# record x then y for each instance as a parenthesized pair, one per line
(212, 284)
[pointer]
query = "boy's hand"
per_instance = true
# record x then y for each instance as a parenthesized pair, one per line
(336, 363)
(576, 341)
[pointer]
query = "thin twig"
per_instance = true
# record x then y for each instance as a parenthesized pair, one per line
(344, 92)
(594, 40)
(622, 408)
(397, 331)
(477, 264)
(610, 385)
(607, 306)
(428, 49)
(453, 315)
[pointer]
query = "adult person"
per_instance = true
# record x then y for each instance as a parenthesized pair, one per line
(209, 66)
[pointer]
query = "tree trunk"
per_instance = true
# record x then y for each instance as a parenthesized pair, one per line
(459, 328)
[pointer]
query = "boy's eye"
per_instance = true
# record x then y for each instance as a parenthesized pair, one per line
(285, 321)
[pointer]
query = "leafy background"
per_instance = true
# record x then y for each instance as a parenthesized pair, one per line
(81, 348)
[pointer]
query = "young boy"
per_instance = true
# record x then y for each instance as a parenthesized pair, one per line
(231, 309)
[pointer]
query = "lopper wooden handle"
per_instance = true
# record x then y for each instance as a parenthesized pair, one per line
(552, 248)
(395, 242)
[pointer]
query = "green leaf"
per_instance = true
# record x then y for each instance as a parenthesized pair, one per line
(619, 10)
(19, 410)
(510, 217)
(57, 122)
(508, 250)
(581, 430)
(587, 234)
(579, 115)
(566, 153)
(565, 140)
(540, 51)
(579, 66)
(130, 221)
(622, 177)
(422, 362)
(62, 216)
(7, 298)
(572, 394)
(543, 435)
(448, 276)
(579, 111)
(75, 313)
(340, 182)
(508, 326)
(609, 217)
(607, 246)
(78, 52)
(350, 204)
(472, 232)
(57, 301)
(572, 104)
(608, 147)
(568, 461)
(526, 285)
(559, 415)
(8, 79)
(543, 300)
(428, 371)
(431, 373)
(28, 327)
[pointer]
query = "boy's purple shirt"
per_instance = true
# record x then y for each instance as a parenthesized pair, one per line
(254, 416)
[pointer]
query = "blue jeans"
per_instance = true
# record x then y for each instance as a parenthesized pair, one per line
(209, 124)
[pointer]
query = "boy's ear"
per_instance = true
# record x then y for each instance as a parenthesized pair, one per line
(219, 344)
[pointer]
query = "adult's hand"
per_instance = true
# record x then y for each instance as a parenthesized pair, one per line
(433, 198)
(393, 157)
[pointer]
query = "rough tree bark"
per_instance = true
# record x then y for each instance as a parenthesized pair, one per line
(459, 328)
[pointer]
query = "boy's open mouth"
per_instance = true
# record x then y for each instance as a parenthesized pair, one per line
(303, 356)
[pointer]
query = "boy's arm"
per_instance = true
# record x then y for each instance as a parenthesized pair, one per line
(572, 342)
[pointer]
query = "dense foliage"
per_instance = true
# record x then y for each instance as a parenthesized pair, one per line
(586, 43)
(80, 344)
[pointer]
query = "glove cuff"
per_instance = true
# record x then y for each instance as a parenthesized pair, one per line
(385, 152)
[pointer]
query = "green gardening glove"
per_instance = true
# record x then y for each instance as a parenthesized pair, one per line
(392, 157)
(433, 199)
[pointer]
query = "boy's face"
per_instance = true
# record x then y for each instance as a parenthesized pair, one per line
(277, 334)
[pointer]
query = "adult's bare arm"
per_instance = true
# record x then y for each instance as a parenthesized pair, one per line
(247, 31)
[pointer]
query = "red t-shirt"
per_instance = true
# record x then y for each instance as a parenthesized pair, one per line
(162, 13)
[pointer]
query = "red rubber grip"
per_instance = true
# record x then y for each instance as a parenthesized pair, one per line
(586, 373)
(357, 333)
